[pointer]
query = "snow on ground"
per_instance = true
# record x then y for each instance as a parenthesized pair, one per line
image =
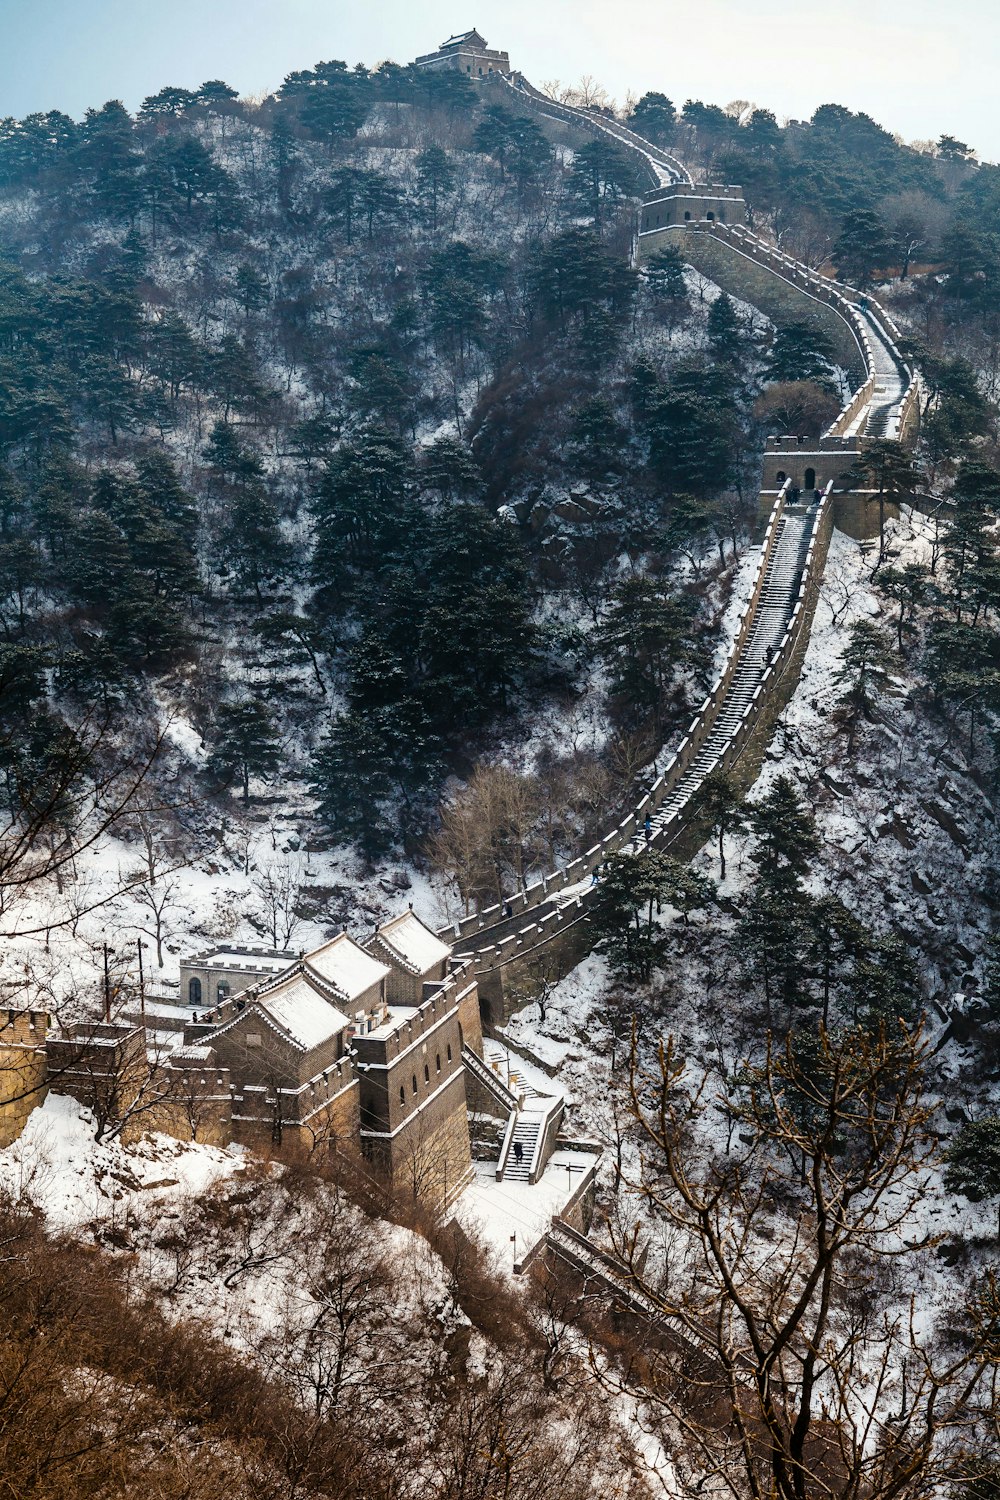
(908, 845)
(76, 1181)
(509, 1218)
(909, 835)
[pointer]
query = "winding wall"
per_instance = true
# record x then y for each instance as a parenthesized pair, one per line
(543, 930)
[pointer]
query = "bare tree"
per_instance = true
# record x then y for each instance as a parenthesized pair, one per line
(801, 1376)
(278, 888)
(484, 843)
(158, 901)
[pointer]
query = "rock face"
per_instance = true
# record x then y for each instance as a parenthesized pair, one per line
(946, 820)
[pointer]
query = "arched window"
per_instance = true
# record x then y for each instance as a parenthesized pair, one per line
(427, 1073)
(781, 476)
(194, 991)
(222, 991)
(449, 1052)
(437, 1061)
(414, 1083)
(687, 213)
(402, 1095)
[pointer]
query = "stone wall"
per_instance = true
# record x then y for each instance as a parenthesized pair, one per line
(828, 459)
(742, 276)
(191, 1102)
(23, 1069)
(233, 976)
(685, 203)
(430, 1155)
(470, 1017)
(511, 970)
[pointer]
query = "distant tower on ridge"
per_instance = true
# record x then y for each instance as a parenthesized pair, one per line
(469, 54)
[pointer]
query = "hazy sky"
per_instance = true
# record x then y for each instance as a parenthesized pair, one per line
(920, 68)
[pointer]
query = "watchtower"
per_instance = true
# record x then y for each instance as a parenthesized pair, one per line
(469, 54)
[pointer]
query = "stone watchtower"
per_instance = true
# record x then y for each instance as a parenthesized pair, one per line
(469, 54)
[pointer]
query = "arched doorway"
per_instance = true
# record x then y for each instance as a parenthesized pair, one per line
(710, 217)
(194, 991)
(809, 482)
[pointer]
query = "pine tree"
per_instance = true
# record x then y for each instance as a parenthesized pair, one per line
(801, 352)
(907, 587)
(725, 330)
(654, 118)
(435, 181)
(719, 802)
(886, 467)
(630, 893)
(600, 177)
(664, 275)
(863, 675)
(786, 836)
(974, 1161)
(246, 743)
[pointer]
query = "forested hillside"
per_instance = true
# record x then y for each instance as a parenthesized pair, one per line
(372, 522)
(268, 371)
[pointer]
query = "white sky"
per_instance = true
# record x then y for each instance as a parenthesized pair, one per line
(919, 68)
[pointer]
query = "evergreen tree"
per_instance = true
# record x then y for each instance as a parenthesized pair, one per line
(863, 675)
(719, 802)
(835, 938)
(786, 839)
(862, 247)
(907, 587)
(725, 330)
(600, 177)
(973, 1161)
(252, 289)
(771, 941)
(435, 181)
(654, 118)
(663, 273)
(801, 352)
(246, 743)
(646, 635)
(449, 467)
(885, 467)
(630, 894)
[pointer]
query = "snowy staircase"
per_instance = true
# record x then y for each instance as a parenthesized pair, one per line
(527, 1129)
(773, 612)
(882, 412)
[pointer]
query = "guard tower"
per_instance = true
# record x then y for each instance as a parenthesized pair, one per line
(469, 54)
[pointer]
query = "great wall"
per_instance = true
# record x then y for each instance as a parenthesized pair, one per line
(539, 933)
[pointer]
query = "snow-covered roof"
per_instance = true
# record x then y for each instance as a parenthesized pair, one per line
(464, 36)
(345, 967)
(295, 1006)
(415, 946)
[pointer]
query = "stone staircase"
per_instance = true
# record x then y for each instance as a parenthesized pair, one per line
(527, 1129)
(508, 1098)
